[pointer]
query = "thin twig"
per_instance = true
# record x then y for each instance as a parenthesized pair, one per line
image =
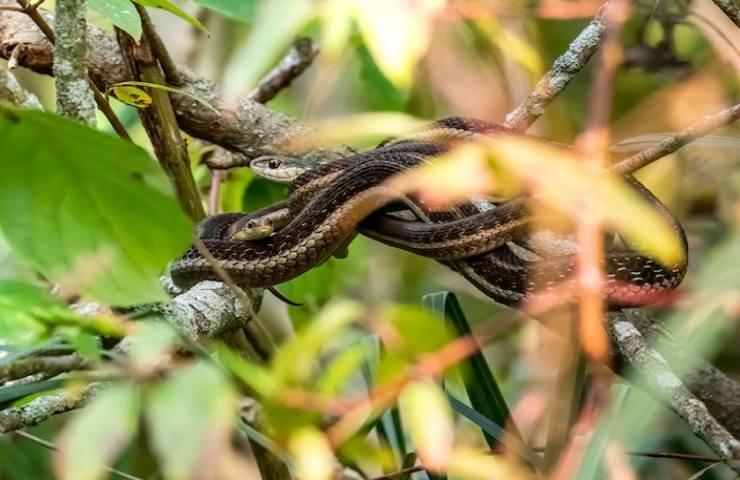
(560, 74)
(296, 61)
(697, 130)
(171, 73)
(50, 446)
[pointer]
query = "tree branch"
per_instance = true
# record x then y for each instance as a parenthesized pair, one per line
(241, 125)
(299, 58)
(11, 91)
(653, 367)
(161, 125)
(560, 74)
(50, 366)
(74, 98)
(45, 407)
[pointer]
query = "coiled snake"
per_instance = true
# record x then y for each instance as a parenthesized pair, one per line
(329, 203)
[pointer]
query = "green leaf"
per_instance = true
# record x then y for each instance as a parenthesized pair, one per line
(599, 441)
(88, 210)
(427, 414)
(241, 10)
(190, 417)
(276, 24)
(494, 430)
(480, 384)
(24, 310)
(175, 10)
(97, 434)
(121, 13)
(409, 320)
(296, 360)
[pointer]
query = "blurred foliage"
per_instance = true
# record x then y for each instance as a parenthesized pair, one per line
(353, 380)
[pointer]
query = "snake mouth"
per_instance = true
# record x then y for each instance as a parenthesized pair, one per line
(254, 233)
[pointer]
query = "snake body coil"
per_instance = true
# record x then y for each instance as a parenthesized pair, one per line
(328, 203)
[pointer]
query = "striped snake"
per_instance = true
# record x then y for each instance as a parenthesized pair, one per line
(329, 203)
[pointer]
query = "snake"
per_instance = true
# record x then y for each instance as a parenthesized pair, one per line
(328, 203)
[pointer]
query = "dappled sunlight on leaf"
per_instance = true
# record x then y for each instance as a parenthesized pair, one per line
(397, 33)
(427, 414)
(312, 454)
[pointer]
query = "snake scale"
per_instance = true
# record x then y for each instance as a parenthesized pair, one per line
(329, 203)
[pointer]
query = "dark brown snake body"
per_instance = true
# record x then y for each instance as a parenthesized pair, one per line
(328, 204)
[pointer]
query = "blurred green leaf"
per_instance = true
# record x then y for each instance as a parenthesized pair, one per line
(340, 369)
(480, 384)
(168, 6)
(409, 320)
(495, 431)
(428, 418)
(97, 434)
(150, 343)
(121, 13)
(24, 310)
(241, 10)
(89, 210)
(596, 451)
(251, 374)
(397, 33)
(190, 417)
(276, 24)
(83, 343)
(297, 359)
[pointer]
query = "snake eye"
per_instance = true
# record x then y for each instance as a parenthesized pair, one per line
(274, 163)
(251, 224)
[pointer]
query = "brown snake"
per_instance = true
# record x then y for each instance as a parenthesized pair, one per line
(329, 203)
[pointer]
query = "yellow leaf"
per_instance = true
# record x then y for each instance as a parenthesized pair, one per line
(133, 96)
(397, 33)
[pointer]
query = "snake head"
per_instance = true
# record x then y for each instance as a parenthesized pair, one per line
(280, 169)
(252, 229)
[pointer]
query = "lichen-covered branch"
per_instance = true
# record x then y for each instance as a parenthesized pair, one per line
(720, 393)
(560, 74)
(669, 388)
(74, 98)
(45, 407)
(50, 366)
(11, 91)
